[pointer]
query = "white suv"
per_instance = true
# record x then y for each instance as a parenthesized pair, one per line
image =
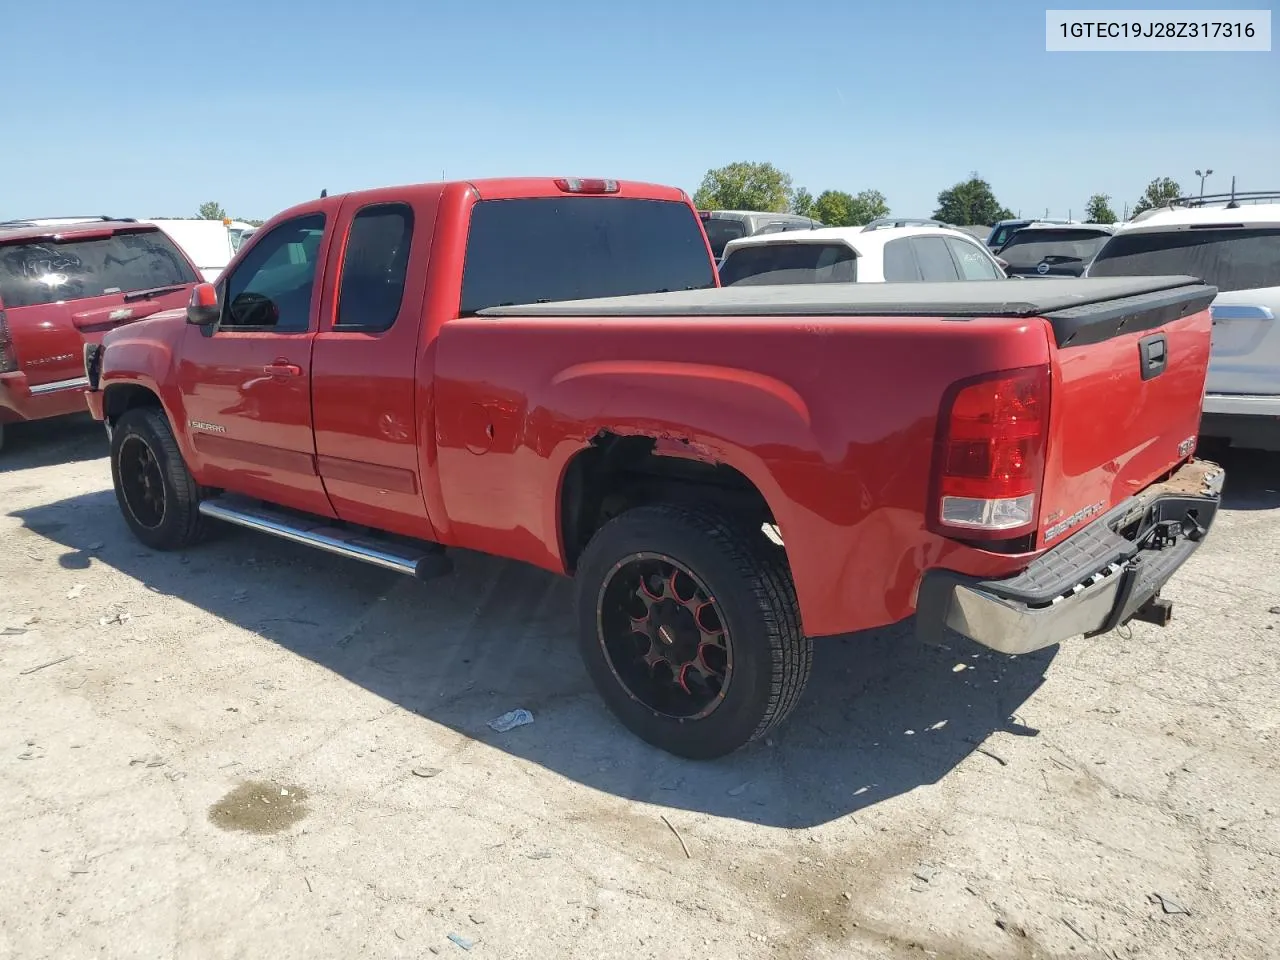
(871, 254)
(1236, 248)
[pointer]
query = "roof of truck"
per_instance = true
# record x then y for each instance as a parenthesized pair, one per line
(967, 298)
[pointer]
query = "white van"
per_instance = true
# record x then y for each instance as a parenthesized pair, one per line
(209, 243)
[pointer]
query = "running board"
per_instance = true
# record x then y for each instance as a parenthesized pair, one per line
(425, 561)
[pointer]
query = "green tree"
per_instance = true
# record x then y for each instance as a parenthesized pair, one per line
(834, 207)
(1098, 209)
(802, 203)
(868, 205)
(970, 203)
(1160, 192)
(745, 186)
(212, 211)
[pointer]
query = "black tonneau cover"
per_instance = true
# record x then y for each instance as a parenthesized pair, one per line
(1082, 310)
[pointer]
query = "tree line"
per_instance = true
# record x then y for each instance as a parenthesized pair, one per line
(764, 187)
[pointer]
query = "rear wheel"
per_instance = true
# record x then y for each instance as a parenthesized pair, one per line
(156, 492)
(689, 627)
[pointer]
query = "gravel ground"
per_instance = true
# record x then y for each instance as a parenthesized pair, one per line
(254, 750)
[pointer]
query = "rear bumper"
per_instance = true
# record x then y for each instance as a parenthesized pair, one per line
(21, 400)
(1089, 584)
(1241, 405)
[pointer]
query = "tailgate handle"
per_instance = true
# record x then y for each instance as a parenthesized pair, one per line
(1153, 354)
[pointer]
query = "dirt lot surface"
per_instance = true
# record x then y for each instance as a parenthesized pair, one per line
(253, 750)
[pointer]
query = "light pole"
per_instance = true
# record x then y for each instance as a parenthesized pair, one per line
(1202, 176)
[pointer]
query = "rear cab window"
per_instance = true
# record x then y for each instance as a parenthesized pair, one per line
(769, 263)
(43, 271)
(1027, 248)
(548, 249)
(1229, 258)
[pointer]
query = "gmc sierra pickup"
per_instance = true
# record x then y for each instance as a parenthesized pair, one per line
(546, 370)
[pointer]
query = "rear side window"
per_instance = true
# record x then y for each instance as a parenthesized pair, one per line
(1027, 248)
(767, 263)
(1227, 258)
(974, 264)
(720, 232)
(1001, 235)
(43, 271)
(900, 262)
(935, 260)
(544, 250)
(374, 267)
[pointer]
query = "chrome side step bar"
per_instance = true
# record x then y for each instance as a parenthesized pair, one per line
(425, 561)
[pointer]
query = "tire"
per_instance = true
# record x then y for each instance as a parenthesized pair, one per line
(177, 522)
(749, 588)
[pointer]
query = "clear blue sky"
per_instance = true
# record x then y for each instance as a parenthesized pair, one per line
(148, 108)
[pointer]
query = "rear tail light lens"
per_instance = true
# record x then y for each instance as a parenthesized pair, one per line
(579, 185)
(8, 355)
(991, 452)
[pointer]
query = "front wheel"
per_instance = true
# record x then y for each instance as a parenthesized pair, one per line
(157, 495)
(689, 627)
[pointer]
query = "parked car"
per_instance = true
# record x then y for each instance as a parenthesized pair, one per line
(870, 254)
(725, 225)
(1004, 229)
(1053, 250)
(209, 243)
(62, 285)
(240, 232)
(1235, 248)
(727, 473)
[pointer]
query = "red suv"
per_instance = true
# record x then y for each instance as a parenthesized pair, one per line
(63, 284)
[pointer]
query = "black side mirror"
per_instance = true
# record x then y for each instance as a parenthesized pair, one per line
(202, 308)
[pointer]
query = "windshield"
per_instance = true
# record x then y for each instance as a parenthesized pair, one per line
(766, 263)
(1229, 258)
(1029, 247)
(548, 249)
(721, 231)
(44, 271)
(1001, 235)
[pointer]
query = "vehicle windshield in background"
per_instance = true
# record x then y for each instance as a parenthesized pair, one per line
(1002, 235)
(720, 232)
(549, 249)
(1029, 247)
(767, 263)
(1229, 258)
(43, 271)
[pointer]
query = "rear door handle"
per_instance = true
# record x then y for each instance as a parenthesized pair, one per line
(282, 368)
(1153, 355)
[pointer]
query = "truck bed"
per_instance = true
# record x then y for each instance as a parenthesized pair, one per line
(956, 298)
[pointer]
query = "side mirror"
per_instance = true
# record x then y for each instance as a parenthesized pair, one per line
(202, 308)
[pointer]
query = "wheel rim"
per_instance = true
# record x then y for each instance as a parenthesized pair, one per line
(141, 482)
(664, 636)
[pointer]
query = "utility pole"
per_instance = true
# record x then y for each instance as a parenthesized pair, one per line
(1202, 176)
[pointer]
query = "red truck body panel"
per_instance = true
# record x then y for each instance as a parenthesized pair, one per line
(461, 429)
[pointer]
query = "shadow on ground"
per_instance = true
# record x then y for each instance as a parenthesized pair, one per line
(1253, 478)
(882, 715)
(46, 443)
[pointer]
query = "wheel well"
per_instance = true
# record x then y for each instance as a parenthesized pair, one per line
(616, 474)
(126, 396)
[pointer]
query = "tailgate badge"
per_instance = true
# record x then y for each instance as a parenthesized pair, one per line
(1187, 447)
(1058, 529)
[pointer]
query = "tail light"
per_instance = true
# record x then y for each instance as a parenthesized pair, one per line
(579, 185)
(8, 355)
(989, 462)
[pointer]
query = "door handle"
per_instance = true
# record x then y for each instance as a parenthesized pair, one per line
(282, 368)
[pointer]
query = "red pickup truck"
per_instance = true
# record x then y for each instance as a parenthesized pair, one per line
(545, 370)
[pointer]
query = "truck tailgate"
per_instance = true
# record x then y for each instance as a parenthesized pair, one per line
(1128, 386)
